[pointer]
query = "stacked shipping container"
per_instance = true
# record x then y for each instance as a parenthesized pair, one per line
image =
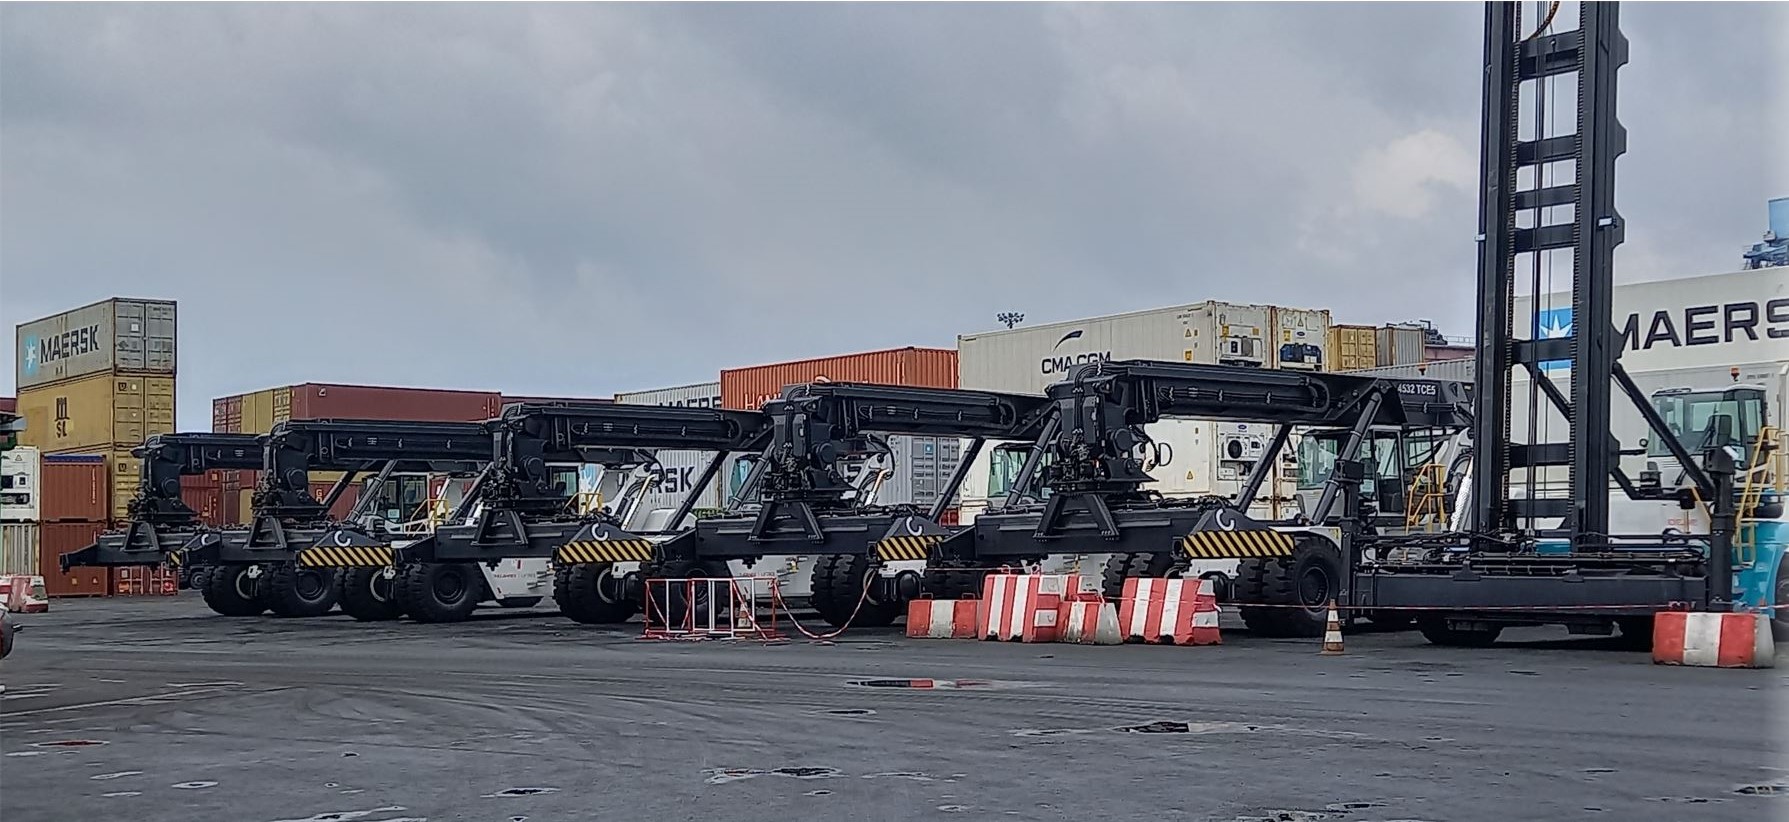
(54, 504)
(99, 380)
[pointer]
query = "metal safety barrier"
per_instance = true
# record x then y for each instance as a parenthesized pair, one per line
(710, 608)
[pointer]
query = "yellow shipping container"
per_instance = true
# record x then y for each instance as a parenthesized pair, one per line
(263, 409)
(97, 412)
(126, 476)
(1354, 346)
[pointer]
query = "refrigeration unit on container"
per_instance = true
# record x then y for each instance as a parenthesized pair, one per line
(1353, 347)
(58, 538)
(749, 388)
(97, 411)
(75, 488)
(1301, 339)
(118, 334)
(21, 485)
(1401, 344)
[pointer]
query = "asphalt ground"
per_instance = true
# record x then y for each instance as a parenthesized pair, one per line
(157, 709)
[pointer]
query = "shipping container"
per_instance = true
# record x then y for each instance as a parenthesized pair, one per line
(749, 388)
(97, 412)
(259, 411)
(1456, 370)
(677, 471)
(1401, 344)
(922, 466)
(1353, 347)
(18, 548)
(508, 400)
(9, 405)
(76, 488)
(1432, 353)
(344, 504)
(226, 415)
(21, 486)
(1302, 338)
(700, 395)
(112, 335)
(141, 581)
(1028, 358)
(205, 495)
(58, 538)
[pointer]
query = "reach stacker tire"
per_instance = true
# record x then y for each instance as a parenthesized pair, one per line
(292, 591)
(1133, 566)
(367, 595)
(439, 591)
(1290, 596)
(839, 584)
(234, 591)
(952, 581)
(589, 594)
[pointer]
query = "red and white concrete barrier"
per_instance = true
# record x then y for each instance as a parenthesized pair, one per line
(1024, 607)
(1171, 611)
(1089, 623)
(1712, 640)
(941, 619)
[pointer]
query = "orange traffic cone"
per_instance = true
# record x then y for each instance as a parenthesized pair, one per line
(1332, 633)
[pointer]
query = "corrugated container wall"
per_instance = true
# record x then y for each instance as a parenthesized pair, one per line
(21, 484)
(922, 466)
(75, 489)
(58, 538)
(112, 335)
(18, 548)
(1353, 347)
(508, 400)
(1457, 370)
(1401, 344)
(1302, 339)
(749, 388)
(204, 494)
(97, 412)
(226, 415)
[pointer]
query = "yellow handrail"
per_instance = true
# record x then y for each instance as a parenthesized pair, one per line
(1427, 498)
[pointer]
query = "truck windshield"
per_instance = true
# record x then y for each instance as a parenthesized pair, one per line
(1317, 458)
(1004, 464)
(1690, 416)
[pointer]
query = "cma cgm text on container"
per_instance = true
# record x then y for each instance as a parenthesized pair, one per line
(118, 334)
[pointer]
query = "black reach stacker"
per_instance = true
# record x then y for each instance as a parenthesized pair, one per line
(292, 558)
(1083, 488)
(162, 526)
(804, 501)
(522, 508)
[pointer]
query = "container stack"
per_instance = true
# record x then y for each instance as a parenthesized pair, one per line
(75, 508)
(98, 380)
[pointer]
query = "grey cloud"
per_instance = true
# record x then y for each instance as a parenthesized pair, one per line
(583, 199)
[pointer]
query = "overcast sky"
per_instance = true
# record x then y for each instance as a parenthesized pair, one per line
(584, 199)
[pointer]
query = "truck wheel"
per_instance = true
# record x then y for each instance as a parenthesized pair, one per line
(200, 576)
(366, 594)
(1128, 566)
(439, 591)
(1290, 596)
(300, 592)
(229, 590)
(589, 594)
(951, 581)
(838, 584)
(1779, 617)
(1437, 631)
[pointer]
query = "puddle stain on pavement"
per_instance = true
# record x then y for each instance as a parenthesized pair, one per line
(507, 793)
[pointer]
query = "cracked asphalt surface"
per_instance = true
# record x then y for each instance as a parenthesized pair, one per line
(521, 716)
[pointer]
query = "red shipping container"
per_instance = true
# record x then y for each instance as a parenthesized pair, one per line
(343, 505)
(321, 401)
(58, 538)
(749, 388)
(75, 489)
(139, 581)
(205, 495)
(226, 415)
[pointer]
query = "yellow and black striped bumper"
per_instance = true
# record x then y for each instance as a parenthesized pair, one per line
(1236, 544)
(895, 549)
(610, 550)
(174, 558)
(346, 556)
